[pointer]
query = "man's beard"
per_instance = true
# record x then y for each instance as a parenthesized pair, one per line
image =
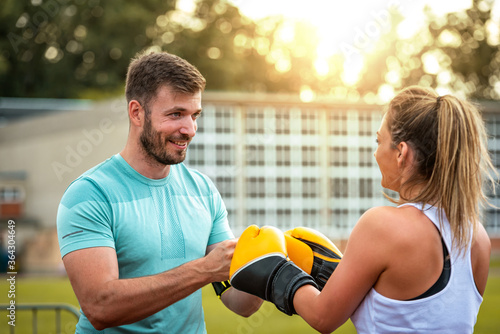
(154, 145)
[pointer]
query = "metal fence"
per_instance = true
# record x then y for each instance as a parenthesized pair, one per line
(36, 308)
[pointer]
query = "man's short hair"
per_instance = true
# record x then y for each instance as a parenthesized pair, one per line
(148, 71)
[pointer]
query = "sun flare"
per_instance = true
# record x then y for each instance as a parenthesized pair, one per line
(351, 30)
(335, 42)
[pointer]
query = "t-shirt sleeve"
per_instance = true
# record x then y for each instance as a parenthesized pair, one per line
(84, 218)
(220, 226)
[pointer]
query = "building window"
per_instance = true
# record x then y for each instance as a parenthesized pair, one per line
(338, 156)
(255, 155)
(310, 187)
(493, 193)
(495, 158)
(226, 186)
(365, 188)
(283, 187)
(11, 194)
(283, 122)
(310, 156)
(492, 125)
(339, 187)
(338, 124)
(255, 122)
(224, 120)
(366, 156)
(11, 201)
(282, 155)
(224, 154)
(256, 187)
(365, 125)
(309, 121)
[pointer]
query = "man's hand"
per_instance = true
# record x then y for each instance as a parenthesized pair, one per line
(237, 301)
(218, 259)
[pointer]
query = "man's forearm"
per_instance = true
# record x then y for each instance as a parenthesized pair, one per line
(124, 301)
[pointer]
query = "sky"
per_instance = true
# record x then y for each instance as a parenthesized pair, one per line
(343, 13)
(348, 22)
(339, 21)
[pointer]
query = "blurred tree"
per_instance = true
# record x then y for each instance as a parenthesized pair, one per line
(471, 52)
(459, 52)
(81, 48)
(220, 42)
(60, 48)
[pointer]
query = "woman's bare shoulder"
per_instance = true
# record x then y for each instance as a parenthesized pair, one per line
(385, 216)
(395, 224)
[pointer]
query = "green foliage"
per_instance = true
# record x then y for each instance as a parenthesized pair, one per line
(207, 41)
(77, 48)
(70, 48)
(463, 45)
(58, 48)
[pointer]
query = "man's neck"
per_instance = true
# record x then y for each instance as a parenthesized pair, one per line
(144, 165)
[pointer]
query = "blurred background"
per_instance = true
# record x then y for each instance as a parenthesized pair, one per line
(295, 93)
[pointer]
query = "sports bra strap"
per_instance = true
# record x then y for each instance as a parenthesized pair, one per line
(443, 278)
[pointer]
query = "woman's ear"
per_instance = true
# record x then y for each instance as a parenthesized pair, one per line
(403, 154)
(135, 113)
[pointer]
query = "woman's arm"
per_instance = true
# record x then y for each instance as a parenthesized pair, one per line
(239, 302)
(363, 261)
(480, 257)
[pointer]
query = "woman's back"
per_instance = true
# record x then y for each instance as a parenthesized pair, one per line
(415, 263)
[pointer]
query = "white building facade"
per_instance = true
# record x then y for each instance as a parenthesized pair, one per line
(281, 162)
(276, 160)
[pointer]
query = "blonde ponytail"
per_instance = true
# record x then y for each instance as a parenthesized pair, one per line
(449, 140)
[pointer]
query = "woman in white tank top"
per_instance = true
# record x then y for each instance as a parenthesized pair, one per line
(422, 266)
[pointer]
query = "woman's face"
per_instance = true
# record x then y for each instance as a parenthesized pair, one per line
(386, 156)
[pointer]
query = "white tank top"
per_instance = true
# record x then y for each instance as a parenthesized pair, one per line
(452, 310)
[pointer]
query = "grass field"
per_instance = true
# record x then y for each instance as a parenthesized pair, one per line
(219, 320)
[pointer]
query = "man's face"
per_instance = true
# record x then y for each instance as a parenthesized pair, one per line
(169, 125)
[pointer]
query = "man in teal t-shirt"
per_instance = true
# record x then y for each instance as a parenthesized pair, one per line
(141, 233)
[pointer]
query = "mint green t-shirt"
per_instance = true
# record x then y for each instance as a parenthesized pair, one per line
(153, 225)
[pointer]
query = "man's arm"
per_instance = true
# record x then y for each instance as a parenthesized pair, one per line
(108, 301)
(239, 302)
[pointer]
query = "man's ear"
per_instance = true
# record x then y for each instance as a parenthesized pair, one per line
(135, 113)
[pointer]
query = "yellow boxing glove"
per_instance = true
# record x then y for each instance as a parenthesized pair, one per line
(260, 267)
(313, 252)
